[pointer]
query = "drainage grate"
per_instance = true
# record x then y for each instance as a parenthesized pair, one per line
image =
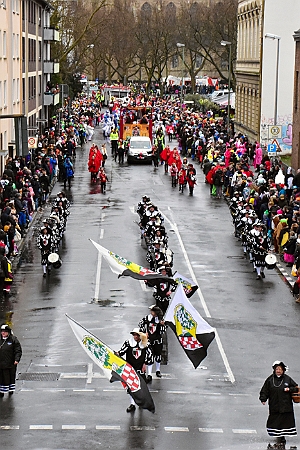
(35, 376)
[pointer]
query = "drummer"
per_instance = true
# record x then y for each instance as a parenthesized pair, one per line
(260, 250)
(44, 243)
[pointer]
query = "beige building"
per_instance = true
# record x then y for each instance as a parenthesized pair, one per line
(248, 67)
(10, 72)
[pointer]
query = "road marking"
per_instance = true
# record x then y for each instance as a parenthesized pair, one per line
(241, 395)
(89, 373)
(171, 429)
(178, 392)
(113, 390)
(242, 431)
(211, 430)
(108, 427)
(98, 274)
(73, 427)
(143, 286)
(9, 427)
(101, 233)
(40, 427)
(201, 297)
(142, 428)
(83, 390)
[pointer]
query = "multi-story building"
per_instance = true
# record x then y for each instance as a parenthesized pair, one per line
(10, 73)
(248, 67)
(296, 106)
(37, 65)
(263, 99)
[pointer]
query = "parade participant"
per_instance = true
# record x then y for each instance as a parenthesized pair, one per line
(191, 178)
(277, 390)
(10, 356)
(104, 153)
(45, 244)
(154, 326)
(138, 354)
(94, 162)
(162, 291)
(182, 179)
(103, 179)
(173, 173)
(155, 156)
(121, 152)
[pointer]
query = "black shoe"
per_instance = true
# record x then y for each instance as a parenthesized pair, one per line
(131, 408)
(258, 277)
(158, 374)
(1, 394)
(263, 275)
(254, 270)
(44, 275)
(148, 379)
(10, 393)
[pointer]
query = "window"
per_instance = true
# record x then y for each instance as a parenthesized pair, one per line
(13, 44)
(13, 93)
(18, 90)
(4, 93)
(1, 100)
(40, 50)
(40, 84)
(23, 89)
(23, 48)
(17, 46)
(4, 45)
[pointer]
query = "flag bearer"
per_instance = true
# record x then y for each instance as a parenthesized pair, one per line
(154, 326)
(138, 354)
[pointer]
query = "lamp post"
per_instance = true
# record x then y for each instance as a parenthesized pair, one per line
(273, 37)
(182, 73)
(229, 44)
(87, 78)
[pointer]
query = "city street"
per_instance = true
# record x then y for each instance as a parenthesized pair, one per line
(63, 401)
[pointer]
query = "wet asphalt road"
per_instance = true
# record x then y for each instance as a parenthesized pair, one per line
(68, 404)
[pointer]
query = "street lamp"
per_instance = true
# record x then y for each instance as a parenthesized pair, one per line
(229, 44)
(181, 94)
(87, 78)
(273, 37)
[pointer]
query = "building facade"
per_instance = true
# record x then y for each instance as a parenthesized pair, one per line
(265, 30)
(37, 65)
(248, 67)
(10, 73)
(296, 105)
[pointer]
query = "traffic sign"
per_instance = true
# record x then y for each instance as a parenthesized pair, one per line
(275, 131)
(32, 142)
(272, 149)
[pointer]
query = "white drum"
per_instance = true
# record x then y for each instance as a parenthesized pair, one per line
(271, 261)
(55, 260)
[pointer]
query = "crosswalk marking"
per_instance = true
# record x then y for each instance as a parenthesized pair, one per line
(211, 430)
(171, 429)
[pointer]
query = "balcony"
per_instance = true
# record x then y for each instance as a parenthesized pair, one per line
(50, 34)
(51, 99)
(51, 67)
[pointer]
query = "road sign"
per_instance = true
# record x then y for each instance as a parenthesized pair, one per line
(32, 142)
(275, 131)
(272, 149)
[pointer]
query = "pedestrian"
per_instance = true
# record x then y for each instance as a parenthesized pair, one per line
(154, 326)
(155, 156)
(277, 390)
(10, 355)
(121, 152)
(181, 179)
(138, 354)
(191, 178)
(68, 172)
(174, 173)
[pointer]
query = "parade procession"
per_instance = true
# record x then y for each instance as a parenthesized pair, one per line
(150, 224)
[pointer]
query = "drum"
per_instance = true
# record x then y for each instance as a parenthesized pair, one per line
(296, 396)
(271, 261)
(55, 260)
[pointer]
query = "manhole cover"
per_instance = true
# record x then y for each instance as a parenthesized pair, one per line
(34, 376)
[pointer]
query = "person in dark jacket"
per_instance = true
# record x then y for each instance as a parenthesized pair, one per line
(277, 390)
(7, 217)
(10, 355)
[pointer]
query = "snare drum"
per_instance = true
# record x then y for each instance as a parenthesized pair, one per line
(55, 260)
(271, 261)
